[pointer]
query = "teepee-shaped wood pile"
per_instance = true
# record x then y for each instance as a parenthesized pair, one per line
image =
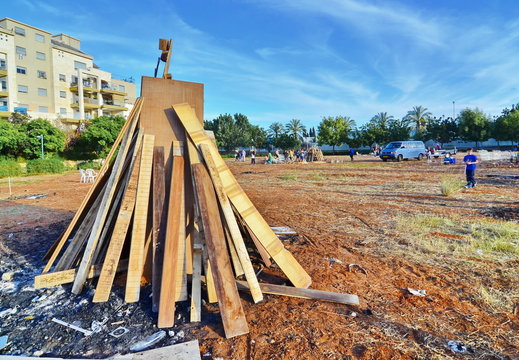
(163, 206)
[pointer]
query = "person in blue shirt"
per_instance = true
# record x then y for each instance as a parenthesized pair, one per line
(471, 162)
(352, 152)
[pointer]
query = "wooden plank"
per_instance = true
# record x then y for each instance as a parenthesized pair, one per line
(236, 264)
(140, 219)
(285, 260)
(231, 310)
(159, 223)
(109, 224)
(303, 293)
(181, 275)
(67, 276)
(103, 211)
(174, 234)
(115, 247)
(230, 220)
(195, 315)
(168, 60)
(198, 229)
(261, 250)
(96, 186)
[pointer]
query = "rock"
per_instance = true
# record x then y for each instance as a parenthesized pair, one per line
(8, 276)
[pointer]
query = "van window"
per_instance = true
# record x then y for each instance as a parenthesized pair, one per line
(394, 145)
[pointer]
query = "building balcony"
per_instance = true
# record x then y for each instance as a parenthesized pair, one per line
(88, 104)
(113, 106)
(21, 110)
(3, 71)
(4, 112)
(4, 93)
(86, 88)
(107, 89)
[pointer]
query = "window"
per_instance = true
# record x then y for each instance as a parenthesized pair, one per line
(21, 51)
(39, 38)
(43, 109)
(21, 70)
(42, 74)
(23, 89)
(42, 92)
(40, 55)
(74, 79)
(62, 77)
(63, 111)
(79, 65)
(19, 31)
(63, 94)
(121, 88)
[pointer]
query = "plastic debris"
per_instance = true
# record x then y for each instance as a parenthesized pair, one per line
(8, 312)
(74, 327)
(333, 260)
(149, 341)
(416, 292)
(8, 276)
(456, 346)
(3, 341)
(34, 197)
(353, 266)
(10, 235)
(120, 331)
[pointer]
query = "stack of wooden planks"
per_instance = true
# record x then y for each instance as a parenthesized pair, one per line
(160, 214)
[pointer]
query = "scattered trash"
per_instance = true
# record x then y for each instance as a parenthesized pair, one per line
(353, 266)
(10, 235)
(77, 328)
(367, 312)
(34, 197)
(479, 252)
(333, 260)
(416, 292)
(353, 314)
(149, 341)
(117, 323)
(8, 276)
(456, 346)
(8, 312)
(98, 326)
(20, 223)
(3, 341)
(120, 331)
(30, 317)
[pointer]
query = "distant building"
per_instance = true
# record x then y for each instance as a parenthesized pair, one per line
(48, 76)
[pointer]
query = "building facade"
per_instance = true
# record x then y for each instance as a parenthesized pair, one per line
(48, 76)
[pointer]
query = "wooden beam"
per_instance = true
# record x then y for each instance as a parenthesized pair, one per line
(174, 235)
(303, 293)
(181, 275)
(231, 310)
(195, 315)
(285, 260)
(168, 60)
(99, 181)
(198, 229)
(103, 211)
(140, 219)
(115, 247)
(67, 276)
(159, 223)
(236, 264)
(230, 220)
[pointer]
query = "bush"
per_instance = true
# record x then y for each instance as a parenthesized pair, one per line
(96, 165)
(10, 168)
(45, 166)
(450, 185)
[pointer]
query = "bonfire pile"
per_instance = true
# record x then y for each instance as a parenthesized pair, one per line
(314, 154)
(160, 214)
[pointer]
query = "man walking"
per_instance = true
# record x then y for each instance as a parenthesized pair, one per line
(352, 153)
(470, 161)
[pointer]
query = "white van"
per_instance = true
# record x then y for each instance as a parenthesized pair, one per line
(403, 150)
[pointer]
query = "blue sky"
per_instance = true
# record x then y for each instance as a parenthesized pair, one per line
(276, 60)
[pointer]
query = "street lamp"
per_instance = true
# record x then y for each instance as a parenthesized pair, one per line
(41, 138)
(453, 110)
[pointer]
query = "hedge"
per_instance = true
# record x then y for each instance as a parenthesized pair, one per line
(45, 166)
(96, 165)
(9, 168)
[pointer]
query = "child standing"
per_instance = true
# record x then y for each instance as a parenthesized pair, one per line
(471, 162)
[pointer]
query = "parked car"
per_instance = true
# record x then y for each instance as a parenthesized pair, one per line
(403, 150)
(444, 152)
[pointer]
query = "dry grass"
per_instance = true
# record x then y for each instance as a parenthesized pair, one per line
(450, 185)
(288, 177)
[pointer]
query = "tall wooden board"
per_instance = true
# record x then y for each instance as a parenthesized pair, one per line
(233, 317)
(159, 223)
(140, 218)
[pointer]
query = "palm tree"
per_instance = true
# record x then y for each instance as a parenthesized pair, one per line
(295, 128)
(275, 129)
(383, 117)
(418, 116)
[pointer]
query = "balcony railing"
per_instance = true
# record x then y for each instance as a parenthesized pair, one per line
(3, 67)
(90, 101)
(4, 108)
(20, 110)
(114, 103)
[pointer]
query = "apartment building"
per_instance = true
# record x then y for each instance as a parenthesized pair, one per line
(48, 76)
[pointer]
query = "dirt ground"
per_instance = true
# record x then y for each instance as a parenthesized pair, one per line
(390, 219)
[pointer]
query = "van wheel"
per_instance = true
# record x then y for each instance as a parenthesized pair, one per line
(384, 160)
(399, 158)
(420, 157)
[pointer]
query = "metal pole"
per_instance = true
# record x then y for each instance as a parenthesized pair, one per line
(42, 155)
(453, 110)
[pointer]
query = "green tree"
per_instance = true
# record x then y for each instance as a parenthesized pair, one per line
(99, 135)
(398, 129)
(275, 129)
(442, 130)
(257, 136)
(295, 128)
(53, 138)
(418, 116)
(287, 142)
(474, 125)
(334, 131)
(11, 139)
(506, 127)
(19, 118)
